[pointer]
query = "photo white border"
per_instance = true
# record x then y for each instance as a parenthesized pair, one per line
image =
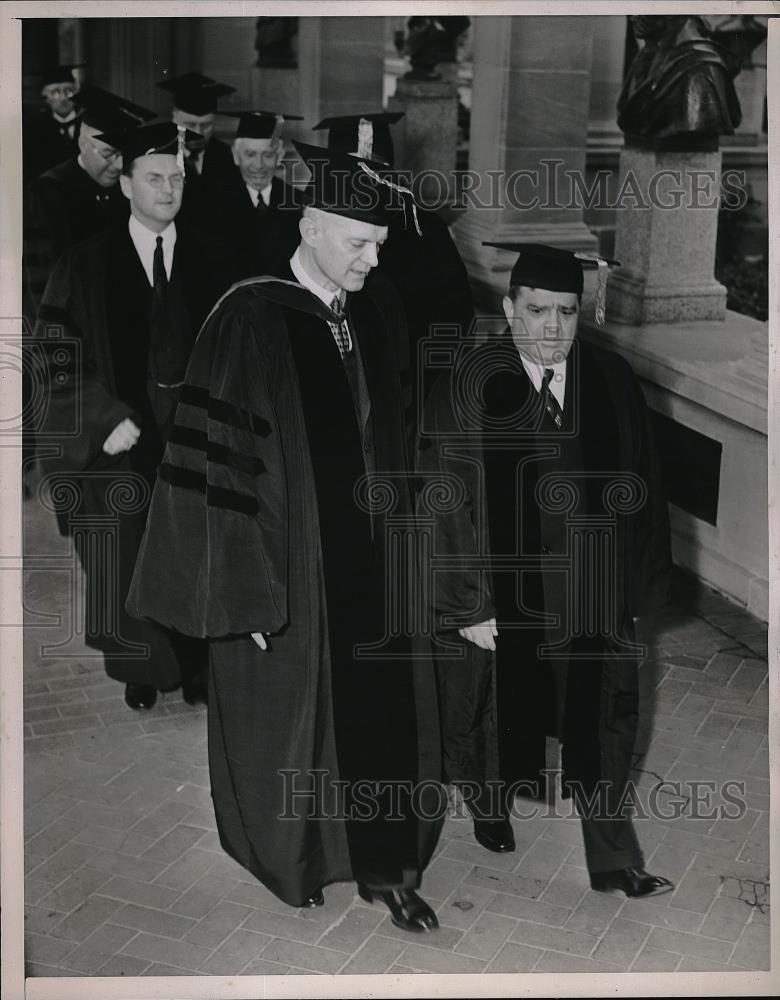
(12, 984)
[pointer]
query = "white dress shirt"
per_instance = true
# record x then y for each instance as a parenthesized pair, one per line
(264, 193)
(535, 372)
(145, 243)
(323, 294)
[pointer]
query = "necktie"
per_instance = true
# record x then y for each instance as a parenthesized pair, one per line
(340, 329)
(159, 277)
(261, 208)
(550, 402)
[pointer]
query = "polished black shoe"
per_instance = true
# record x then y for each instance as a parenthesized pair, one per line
(195, 691)
(633, 882)
(408, 910)
(140, 696)
(495, 834)
(317, 899)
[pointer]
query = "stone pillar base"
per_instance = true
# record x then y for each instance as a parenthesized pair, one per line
(667, 226)
(632, 300)
(426, 137)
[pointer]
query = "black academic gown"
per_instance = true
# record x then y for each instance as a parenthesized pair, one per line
(93, 324)
(47, 142)
(255, 527)
(63, 207)
(204, 191)
(262, 238)
(433, 284)
(543, 500)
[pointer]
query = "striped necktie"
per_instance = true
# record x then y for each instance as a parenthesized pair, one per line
(551, 404)
(340, 330)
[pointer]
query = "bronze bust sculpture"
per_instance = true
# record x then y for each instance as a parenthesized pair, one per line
(678, 90)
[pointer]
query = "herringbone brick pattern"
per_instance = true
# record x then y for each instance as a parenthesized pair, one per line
(125, 875)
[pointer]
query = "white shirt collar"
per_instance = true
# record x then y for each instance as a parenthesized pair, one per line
(535, 372)
(264, 193)
(145, 243)
(303, 278)
(69, 117)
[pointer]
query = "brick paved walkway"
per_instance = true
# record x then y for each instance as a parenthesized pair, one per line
(125, 875)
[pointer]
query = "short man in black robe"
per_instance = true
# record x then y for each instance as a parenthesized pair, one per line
(427, 272)
(80, 196)
(560, 543)
(209, 163)
(268, 534)
(50, 135)
(134, 297)
(259, 211)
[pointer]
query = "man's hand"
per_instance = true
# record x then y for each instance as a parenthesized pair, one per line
(259, 638)
(483, 635)
(122, 438)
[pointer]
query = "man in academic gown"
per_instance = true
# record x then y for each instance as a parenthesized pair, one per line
(80, 196)
(427, 271)
(259, 211)
(49, 136)
(559, 546)
(134, 297)
(209, 163)
(267, 534)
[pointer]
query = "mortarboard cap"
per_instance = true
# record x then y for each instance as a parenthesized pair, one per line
(159, 137)
(363, 135)
(109, 112)
(260, 124)
(352, 186)
(556, 270)
(59, 74)
(194, 93)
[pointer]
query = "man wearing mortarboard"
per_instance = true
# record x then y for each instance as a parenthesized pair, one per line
(80, 196)
(49, 136)
(208, 163)
(259, 210)
(560, 545)
(425, 268)
(267, 535)
(134, 297)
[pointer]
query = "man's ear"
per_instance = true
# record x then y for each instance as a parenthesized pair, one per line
(509, 308)
(309, 230)
(235, 154)
(124, 184)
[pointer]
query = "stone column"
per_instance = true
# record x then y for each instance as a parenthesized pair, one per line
(529, 113)
(667, 227)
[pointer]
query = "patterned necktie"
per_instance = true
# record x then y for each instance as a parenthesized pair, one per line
(340, 329)
(551, 404)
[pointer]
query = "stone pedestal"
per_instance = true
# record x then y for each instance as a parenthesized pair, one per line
(667, 227)
(529, 111)
(426, 137)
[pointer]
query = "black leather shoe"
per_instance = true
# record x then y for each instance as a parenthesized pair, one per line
(315, 900)
(632, 881)
(140, 696)
(495, 834)
(408, 910)
(195, 691)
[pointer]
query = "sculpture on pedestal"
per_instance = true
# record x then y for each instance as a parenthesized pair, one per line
(678, 90)
(274, 42)
(432, 40)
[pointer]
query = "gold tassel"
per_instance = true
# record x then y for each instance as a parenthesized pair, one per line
(180, 130)
(276, 135)
(365, 139)
(396, 187)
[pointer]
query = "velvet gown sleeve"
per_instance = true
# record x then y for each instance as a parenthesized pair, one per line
(213, 559)
(461, 591)
(80, 396)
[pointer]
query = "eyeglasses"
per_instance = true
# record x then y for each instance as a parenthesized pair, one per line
(65, 91)
(157, 180)
(108, 154)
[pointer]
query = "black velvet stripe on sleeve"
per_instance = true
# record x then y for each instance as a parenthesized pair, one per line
(224, 412)
(219, 453)
(216, 496)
